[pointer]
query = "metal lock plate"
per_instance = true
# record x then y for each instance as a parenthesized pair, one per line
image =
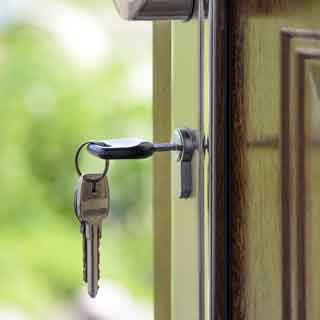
(155, 9)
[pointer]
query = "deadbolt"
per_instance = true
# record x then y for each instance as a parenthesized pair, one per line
(155, 9)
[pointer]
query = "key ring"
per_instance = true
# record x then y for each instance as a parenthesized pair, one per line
(106, 168)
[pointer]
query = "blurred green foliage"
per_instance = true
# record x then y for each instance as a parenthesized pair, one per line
(48, 107)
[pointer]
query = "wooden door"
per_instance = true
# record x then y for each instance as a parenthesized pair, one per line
(272, 109)
(267, 199)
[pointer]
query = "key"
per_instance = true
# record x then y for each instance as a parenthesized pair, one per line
(92, 207)
(128, 148)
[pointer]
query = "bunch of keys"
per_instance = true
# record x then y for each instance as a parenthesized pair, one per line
(91, 200)
(91, 205)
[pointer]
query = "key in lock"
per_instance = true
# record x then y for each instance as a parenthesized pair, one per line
(184, 142)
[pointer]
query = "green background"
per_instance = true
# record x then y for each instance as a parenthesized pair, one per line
(49, 105)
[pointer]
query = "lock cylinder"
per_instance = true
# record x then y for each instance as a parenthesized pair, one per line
(155, 9)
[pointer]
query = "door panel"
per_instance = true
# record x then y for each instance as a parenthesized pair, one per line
(274, 103)
(312, 190)
(267, 172)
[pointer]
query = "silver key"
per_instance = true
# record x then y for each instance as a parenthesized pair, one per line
(92, 207)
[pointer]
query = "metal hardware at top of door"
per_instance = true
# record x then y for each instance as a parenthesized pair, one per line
(157, 10)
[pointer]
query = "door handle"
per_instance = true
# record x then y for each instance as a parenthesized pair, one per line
(156, 9)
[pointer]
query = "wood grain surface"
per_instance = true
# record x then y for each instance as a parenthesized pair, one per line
(271, 183)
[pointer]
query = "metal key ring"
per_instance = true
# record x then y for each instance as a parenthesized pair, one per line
(103, 174)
